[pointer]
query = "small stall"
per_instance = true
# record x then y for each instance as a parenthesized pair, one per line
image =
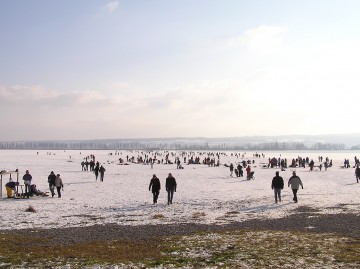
(12, 175)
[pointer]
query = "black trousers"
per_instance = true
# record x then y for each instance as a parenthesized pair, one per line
(295, 196)
(58, 191)
(155, 196)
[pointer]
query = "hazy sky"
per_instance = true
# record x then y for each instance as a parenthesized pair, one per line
(90, 69)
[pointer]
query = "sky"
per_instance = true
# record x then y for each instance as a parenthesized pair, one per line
(99, 69)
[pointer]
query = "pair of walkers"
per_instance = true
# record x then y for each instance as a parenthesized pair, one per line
(277, 185)
(170, 186)
(55, 181)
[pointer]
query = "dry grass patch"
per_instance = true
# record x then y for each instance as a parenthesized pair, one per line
(255, 249)
(231, 213)
(40, 253)
(31, 209)
(197, 215)
(229, 249)
(158, 216)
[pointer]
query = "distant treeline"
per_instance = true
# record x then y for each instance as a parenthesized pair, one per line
(167, 145)
(356, 147)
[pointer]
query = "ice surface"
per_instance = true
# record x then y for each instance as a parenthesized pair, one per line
(204, 194)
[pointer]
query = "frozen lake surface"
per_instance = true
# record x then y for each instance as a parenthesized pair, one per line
(204, 194)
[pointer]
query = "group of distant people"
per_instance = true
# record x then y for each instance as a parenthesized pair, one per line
(94, 167)
(239, 171)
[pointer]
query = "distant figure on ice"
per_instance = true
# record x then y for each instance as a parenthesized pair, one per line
(27, 182)
(241, 172)
(59, 185)
(231, 169)
(51, 181)
(239, 168)
(170, 186)
(357, 173)
(295, 182)
(277, 185)
(155, 188)
(102, 171)
(96, 171)
(311, 165)
(248, 172)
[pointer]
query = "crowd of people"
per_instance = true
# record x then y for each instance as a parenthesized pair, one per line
(208, 158)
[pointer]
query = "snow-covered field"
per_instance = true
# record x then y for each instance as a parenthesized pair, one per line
(204, 194)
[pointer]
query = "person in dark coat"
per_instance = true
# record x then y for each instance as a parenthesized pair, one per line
(155, 188)
(102, 171)
(27, 182)
(238, 169)
(277, 185)
(231, 167)
(357, 173)
(96, 171)
(170, 186)
(51, 181)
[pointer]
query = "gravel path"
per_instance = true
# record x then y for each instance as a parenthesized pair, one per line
(342, 224)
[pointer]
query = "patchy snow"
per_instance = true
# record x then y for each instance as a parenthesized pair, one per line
(204, 194)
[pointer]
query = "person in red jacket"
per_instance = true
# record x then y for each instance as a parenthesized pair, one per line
(248, 171)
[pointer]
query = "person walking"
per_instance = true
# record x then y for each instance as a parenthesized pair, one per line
(239, 168)
(59, 185)
(51, 181)
(277, 185)
(231, 169)
(357, 173)
(155, 188)
(102, 171)
(170, 186)
(27, 182)
(96, 171)
(295, 182)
